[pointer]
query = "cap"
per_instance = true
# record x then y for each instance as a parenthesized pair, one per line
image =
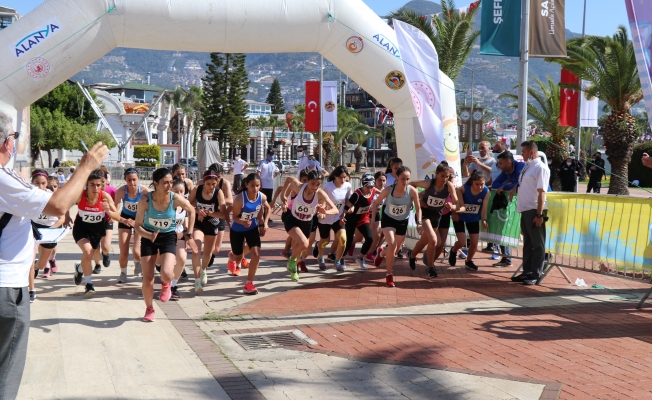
(367, 179)
(270, 151)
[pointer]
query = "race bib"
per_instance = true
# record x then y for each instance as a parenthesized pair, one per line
(472, 208)
(249, 216)
(396, 211)
(339, 206)
(435, 202)
(91, 217)
(363, 210)
(160, 223)
(303, 212)
(179, 222)
(132, 207)
(42, 217)
(206, 207)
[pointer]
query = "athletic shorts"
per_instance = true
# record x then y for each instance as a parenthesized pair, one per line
(325, 229)
(472, 227)
(165, 243)
(315, 224)
(445, 221)
(221, 227)
(94, 237)
(123, 226)
(433, 216)
(108, 225)
(237, 239)
(292, 222)
(389, 222)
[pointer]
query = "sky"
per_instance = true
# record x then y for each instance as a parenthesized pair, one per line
(602, 16)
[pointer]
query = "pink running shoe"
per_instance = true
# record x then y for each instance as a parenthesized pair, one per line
(249, 288)
(166, 292)
(46, 272)
(379, 259)
(302, 266)
(149, 314)
(231, 265)
(244, 263)
(370, 257)
(53, 266)
(389, 281)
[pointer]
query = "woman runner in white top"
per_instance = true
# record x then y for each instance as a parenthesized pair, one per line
(338, 191)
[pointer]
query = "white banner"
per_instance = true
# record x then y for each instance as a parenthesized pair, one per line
(588, 109)
(329, 106)
(421, 65)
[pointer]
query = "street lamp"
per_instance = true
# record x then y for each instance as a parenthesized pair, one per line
(472, 87)
(373, 151)
(179, 113)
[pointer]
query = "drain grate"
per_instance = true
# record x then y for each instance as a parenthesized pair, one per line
(269, 341)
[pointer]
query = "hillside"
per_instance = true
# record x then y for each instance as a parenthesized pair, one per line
(169, 69)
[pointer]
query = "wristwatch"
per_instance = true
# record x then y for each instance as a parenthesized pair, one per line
(419, 222)
(539, 216)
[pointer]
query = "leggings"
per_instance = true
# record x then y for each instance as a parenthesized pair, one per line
(365, 230)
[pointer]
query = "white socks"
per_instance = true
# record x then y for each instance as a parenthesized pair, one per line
(89, 279)
(174, 282)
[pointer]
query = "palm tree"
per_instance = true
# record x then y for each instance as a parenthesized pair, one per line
(545, 114)
(274, 122)
(450, 32)
(360, 135)
(609, 65)
(190, 102)
(299, 121)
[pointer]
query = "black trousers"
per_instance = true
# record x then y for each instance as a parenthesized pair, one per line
(534, 243)
(365, 230)
(594, 185)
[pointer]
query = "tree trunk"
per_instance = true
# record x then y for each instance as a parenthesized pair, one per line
(619, 136)
(50, 158)
(40, 154)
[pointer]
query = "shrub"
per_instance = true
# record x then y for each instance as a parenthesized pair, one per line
(542, 143)
(147, 152)
(67, 163)
(141, 163)
(637, 171)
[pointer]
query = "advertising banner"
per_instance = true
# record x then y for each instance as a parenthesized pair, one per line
(476, 128)
(588, 109)
(504, 226)
(465, 128)
(500, 33)
(640, 26)
(547, 28)
(568, 100)
(329, 106)
(312, 119)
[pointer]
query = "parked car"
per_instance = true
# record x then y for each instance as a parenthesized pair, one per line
(294, 163)
(286, 165)
(281, 167)
(194, 165)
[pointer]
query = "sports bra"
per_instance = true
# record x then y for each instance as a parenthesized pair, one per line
(130, 204)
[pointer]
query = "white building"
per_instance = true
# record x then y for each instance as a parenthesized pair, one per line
(255, 109)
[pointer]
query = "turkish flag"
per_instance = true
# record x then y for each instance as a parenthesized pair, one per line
(312, 120)
(568, 100)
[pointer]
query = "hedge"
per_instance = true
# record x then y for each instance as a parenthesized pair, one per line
(147, 152)
(637, 171)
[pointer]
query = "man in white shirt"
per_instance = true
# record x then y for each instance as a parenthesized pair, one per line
(239, 167)
(531, 203)
(20, 201)
(307, 161)
(268, 170)
(72, 171)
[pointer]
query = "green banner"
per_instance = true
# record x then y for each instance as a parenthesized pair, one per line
(500, 33)
(504, 225)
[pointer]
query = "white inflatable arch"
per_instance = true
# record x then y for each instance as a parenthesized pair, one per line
(60, 37)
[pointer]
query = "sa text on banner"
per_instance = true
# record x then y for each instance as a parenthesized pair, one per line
(500, 33)
(329, 106)
(421, 65)
(313, 102)
(547, 28)
(588, 109)
(568, 100)
(640, 23)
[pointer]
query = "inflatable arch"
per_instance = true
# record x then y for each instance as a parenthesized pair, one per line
(61, 37)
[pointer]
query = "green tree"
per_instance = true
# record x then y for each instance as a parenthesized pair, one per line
(450, 32)
(360, 137)
(299, 121)
(544, 110)
(274, 123)
(275, 99)
(609, 65)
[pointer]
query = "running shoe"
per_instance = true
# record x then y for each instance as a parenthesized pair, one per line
(210, 263)
(471, 265)
(302, 266)
(32, 296)
(122, 278)
(322, 264)
(502, 264)
(46, 272)
(237, 270)
(332, 257)
(315, 250)
(184, 274)
(495, 256)
(379, 257)
(175, 294)
(90, 290)
(198, 287)
(351, 251)
(158, 268)
(339, 266)
(204, 277)
(138, 268)
(412, 260)
(106, 260)
(370, 257)
(78, 274)
(244, 263)
(451, 259)
(53, 266)
(249, 288)
(432, 272)
(463, 254)
(489, 248)
(389, 280)
(400, 254)
(292, 268)
(285, 254)
(149, 314)
(166, 292)
(231, 266)
(97, 270)
(361, 263)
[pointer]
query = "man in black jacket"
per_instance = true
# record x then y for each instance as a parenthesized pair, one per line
(595, 171)
(568, 172)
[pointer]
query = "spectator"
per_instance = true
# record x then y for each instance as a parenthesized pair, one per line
(20, 201)
(72, 170)
(239, 167)
(313, 164)
(304, 160)
(55, 163)
(60, 176)
(568, 172)
(499, 147)
(647, 160)
(595, 171)
(268, 170)
(392, 166)
(531, 203)
(483, 164)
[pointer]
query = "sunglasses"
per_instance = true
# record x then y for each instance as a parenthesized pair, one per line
(16, 135)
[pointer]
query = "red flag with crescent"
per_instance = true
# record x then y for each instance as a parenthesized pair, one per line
(568, 100)
(312, 120)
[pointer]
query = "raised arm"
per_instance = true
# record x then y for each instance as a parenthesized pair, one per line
(263, 215)
(424, 184)
(414, 195)
(378, 202)
(330, 208)
(109, 207)
(143, 204)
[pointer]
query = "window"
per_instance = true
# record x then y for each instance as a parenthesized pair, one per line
(5, 21)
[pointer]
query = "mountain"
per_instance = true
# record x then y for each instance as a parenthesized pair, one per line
(172, 68)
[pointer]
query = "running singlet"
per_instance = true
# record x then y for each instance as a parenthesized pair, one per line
(162, 221)
(130, 204)
(303, 209)
(338, 196)
(249, 212)
(433, 198)
(45, 221)
(179, 219)
(89, 217)
(473, 204)
(210, 206)
(398, 208)
(362, 206)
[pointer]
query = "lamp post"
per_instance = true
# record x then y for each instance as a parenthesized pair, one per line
(472, 93)
(373, 151)
(179, 113)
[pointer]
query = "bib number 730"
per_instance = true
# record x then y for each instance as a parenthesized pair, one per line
(91, 217)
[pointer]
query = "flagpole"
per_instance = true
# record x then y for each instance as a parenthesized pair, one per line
(321, 113)
(523, 74)
(578, 134)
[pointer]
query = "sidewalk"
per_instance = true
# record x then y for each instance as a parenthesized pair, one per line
(464, 335)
